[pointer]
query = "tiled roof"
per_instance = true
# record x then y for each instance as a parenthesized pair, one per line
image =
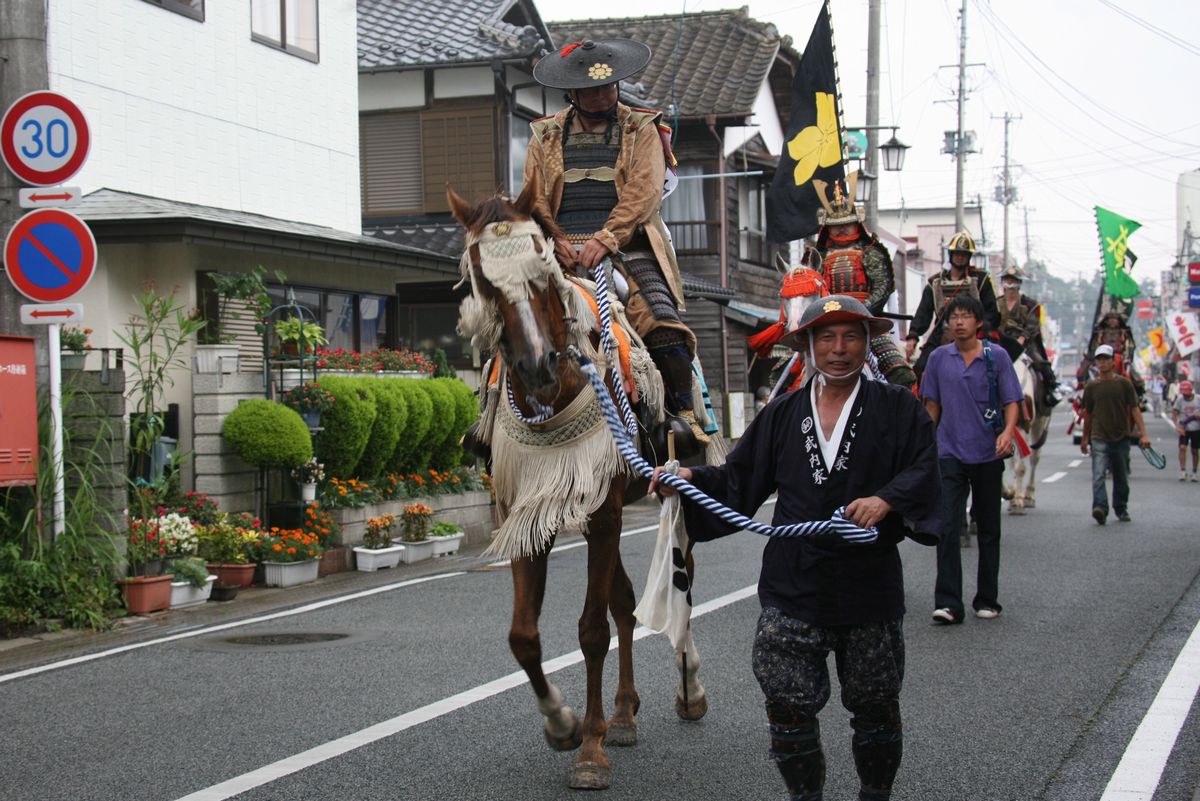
(445, 238)
(112, 206)
(398, 34)
(724, 56)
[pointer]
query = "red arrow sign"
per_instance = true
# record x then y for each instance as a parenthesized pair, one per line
(63, 196)
(63, 313)
(51, 313)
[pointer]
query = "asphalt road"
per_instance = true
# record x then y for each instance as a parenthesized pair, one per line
(420, 699)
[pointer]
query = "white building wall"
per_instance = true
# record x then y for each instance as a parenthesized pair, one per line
(1187, 208)
(197, 112)
(391, 90)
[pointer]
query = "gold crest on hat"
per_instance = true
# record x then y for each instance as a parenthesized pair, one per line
(832, 306)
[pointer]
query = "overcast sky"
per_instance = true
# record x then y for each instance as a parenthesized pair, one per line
(1110, 109)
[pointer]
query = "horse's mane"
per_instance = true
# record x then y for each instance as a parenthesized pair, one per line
(499, 208)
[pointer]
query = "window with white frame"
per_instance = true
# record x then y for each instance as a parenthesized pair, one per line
(290, 25)
(188, 8)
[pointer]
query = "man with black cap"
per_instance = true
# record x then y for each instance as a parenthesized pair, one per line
(839, 441)
(598, 167)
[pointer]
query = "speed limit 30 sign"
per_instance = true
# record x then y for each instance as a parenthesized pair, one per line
(44, 138)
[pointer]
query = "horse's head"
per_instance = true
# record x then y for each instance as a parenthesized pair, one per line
(520, 304)
(801, 288)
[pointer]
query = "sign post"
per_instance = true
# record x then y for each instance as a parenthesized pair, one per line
(50, 254)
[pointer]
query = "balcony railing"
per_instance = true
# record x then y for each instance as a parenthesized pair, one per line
(692, 237)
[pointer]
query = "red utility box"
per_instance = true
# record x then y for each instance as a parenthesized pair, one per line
(18, 412)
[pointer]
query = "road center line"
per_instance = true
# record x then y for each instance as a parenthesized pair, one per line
(1140, 769)
(342, 745)
(1075, 463)
(299, 610)
(1050, 479)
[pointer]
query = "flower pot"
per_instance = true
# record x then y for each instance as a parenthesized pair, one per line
(333, 560)
(183, 594)
(72, 359)
(288, 574)
(146, 594)
(446, 545)
(415, 529)
(417, 551)
(368, 560)
(216, 358)
(233, 574)
(308, 491)
(224, 592)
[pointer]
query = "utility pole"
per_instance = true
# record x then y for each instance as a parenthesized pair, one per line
(1028, 250)
(960, 154)
(23, 69)
(873, 25)
(1005, 193)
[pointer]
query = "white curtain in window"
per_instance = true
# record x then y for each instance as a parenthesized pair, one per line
(265, 20)
(301, 19)
(683, 210)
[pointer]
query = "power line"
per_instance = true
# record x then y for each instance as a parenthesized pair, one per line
(1167, 35)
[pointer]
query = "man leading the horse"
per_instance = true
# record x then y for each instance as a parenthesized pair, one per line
(1020, 320)
(598, 169)
(941, 289)
(839, 441)
(855, 263)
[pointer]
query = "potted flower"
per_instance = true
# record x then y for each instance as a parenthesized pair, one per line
(377, 550)
(311, 400)
(225, 546)
(177, 535)
(290, 556)
(296, 335)
(144, 591)
(234, 294)
(417, 545)
(307, 475)
(73, 346)
(191, 583)
(446, 538)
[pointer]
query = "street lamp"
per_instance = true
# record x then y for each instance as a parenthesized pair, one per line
(893, 153)
(866, 185)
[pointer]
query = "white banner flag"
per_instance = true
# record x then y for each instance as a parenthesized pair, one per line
(1185, 330)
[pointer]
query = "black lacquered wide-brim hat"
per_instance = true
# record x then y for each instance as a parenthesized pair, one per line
(592, 62)
(835, 309)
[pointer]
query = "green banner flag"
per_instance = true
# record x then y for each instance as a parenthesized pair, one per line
(1115, 231)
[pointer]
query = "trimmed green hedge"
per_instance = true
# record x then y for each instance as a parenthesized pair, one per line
(407, 456)
(466, 411)
(347, 426)
(390, 421)
(441, 422)
(268, 434)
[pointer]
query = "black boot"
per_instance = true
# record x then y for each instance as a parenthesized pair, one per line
(796, 751)
(877, 753)
(674, 363)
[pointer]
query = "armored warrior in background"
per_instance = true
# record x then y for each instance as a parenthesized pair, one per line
(1020, 321)
(941, 289)
(1114, 331)
(855, 263)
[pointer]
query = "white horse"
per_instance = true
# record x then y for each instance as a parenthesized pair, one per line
(1034, 425)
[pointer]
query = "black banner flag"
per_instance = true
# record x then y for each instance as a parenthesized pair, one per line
(814, 140)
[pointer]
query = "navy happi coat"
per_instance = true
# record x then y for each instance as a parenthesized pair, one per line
(888, 449)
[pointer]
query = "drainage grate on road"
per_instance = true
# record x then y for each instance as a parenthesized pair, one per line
(285, 638)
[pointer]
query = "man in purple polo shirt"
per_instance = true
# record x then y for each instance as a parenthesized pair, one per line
(971, 391)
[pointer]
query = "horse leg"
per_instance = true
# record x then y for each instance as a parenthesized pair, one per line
(1016, 506)
(691, 702)
(560, 725)
(622, 726)
(592, 770)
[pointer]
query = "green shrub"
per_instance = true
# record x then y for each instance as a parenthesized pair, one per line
(405, 458)
(268, 434)
(441, 365)
(441, 420)
(348, 427)
(391, 416)
(465, 409)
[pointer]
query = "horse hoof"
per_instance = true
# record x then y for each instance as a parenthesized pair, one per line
(694, 709)
(590, 776)
(567, 742)
(1029, 503)
(621, 734)
(1016, 510)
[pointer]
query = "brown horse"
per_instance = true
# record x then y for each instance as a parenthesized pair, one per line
(555, 468)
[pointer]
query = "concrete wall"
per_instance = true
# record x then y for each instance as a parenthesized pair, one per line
(198, 112)
(221, 473)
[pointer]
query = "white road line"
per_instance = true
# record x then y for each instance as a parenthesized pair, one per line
(1074, 463)
(299, 610)
(334, 748)
(1050, 479)
(1140, 770)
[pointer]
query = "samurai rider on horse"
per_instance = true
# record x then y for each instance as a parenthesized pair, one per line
(1021, 332)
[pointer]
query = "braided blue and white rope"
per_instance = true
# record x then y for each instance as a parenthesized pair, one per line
(610, 345)
(837, 524)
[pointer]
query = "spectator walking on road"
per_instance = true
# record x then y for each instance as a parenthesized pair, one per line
(1109, 403)
(839, 441)
(1185, 414)
(971, 391)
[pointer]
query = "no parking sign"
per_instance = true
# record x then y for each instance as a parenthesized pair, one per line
(50, 255)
